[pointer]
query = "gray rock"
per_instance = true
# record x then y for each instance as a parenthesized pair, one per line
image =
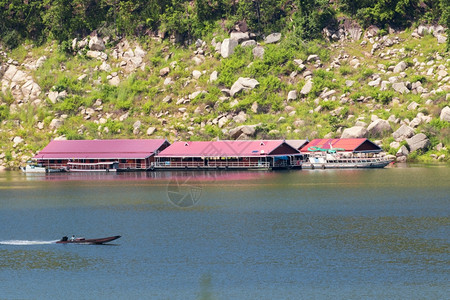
(403, 133)
(243, 83)
(82, 77)
(139, 52)
(349, 83)
(239, 36)
(240, 118)
(96, 44)
(74, 44)
(403, 151)
(196, 74)
(213, 77)
(394, 145)
(292, 95)
(248, 130)
(53, 96)
(360, 123)
(400, 67)
(105, 67)
(375, 82)
(40, 62)
(222, 122)
(115, 81)
(198, 61)
(313, 57)
(137, 127)
(124, 117)
(55, 124)
(441, 39)
(413, 105)
(249, 43)
(400, 87)
(422, 30)
(97, 55)
(379, 127)
(418, 142)
(168, 81)
(258, 52)
(354, 132)
(164, 71)
(272, 38)
(307, 88)
(255, 107)
(227, 47)
(17, 140)
(445, 114)
(218, 47)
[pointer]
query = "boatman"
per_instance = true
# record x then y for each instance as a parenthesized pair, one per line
(72, 238)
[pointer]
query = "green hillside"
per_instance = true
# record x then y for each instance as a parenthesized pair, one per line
(217, 69)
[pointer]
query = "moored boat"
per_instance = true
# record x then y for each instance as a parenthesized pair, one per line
(39, 168)
(82, 240)
(336, 162)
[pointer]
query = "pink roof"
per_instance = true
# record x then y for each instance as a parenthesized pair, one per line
(224, 149)
(353, 145)
(101, 149)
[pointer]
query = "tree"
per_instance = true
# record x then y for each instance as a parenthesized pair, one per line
(445, 19)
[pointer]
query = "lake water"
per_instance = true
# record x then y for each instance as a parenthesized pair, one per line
(310, 234)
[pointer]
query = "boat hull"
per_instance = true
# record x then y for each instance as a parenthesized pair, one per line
(356, 165)
(84, 241)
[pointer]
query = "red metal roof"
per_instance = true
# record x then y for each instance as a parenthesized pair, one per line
(102, 149)
(224, 148)
(350, 145)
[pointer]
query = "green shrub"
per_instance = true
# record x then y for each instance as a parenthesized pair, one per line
(345, 70)
(366, 73)
(148, 106)
(421, 78)
(7, 97)
(114, 126)
(70, 104)
(4, 112)
(384, 97)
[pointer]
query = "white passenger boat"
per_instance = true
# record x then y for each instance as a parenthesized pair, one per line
(39, 168)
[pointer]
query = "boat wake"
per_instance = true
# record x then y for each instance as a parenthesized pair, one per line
(26, 242)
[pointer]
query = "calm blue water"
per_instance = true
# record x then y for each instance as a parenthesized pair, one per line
(317, 234)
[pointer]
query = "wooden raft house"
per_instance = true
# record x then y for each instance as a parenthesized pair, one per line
(101, 155)
(261, 155)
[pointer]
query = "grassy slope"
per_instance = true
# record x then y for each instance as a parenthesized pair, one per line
(141, 94)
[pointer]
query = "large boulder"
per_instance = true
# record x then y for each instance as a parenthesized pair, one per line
(418, 142)
(445, 114)
(403, 133)
(55, 124)
(400, 87)
(243, 83)
(243, 130)
(239, 36)
(164, 71)
(400, 67)
(379, 127)
(307, 88)
(96, 44)
(258, 52)
(403, 151)
(292, 95)
(272, 38)
(249, 43)
(227, 47)
(354, 132)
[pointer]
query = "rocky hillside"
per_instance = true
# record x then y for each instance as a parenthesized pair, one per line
(392, 87)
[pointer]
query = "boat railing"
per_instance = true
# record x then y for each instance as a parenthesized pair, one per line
(211, 164)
